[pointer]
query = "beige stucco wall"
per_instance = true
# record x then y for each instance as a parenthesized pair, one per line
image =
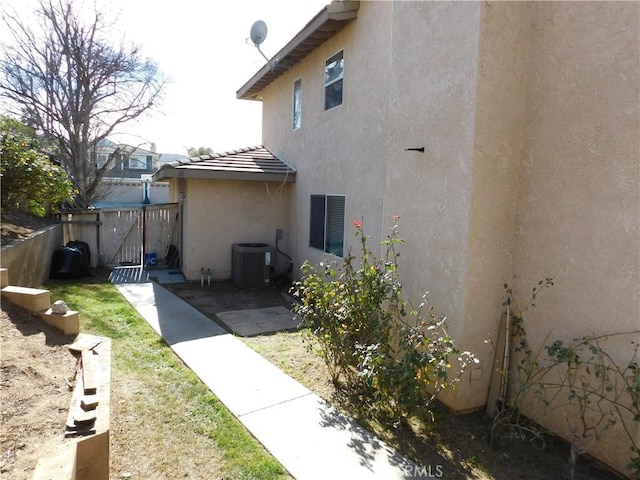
(579, 209)
(578, 218)
(333, 153)
(404, 91)
(501, 94)
(528, 112)
(433, 104)
(219, 213)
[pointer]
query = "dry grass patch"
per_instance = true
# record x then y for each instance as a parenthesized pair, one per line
(289, 352)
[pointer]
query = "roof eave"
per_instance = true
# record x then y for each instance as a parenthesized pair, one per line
(341, 12)
(165, 173)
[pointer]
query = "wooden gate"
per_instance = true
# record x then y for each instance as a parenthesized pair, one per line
(123, 235)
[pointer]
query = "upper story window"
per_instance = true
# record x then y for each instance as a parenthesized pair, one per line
(297, 104)
(136, 163)
(333, 73)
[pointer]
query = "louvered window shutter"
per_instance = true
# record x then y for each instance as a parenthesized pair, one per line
(334, 237)
(316, 222)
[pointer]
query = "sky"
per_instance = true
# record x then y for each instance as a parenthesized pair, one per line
(202, 47)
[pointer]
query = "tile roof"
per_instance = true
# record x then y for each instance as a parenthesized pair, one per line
(253, 163)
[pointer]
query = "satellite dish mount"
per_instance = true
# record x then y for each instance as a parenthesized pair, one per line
(258, 34)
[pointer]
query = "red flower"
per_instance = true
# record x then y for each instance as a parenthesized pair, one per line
(357, 224)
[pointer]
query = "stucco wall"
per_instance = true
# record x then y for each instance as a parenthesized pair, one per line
(578, 216)
(219, 213)
(416, 87)
(501, 93)
(29, 261)
(433, 104)
(528, 112)
(333, 153)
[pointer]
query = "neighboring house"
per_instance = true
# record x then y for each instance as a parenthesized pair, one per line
(128, 181)
(504, 135)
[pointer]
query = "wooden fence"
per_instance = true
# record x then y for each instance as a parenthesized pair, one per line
(123, 235)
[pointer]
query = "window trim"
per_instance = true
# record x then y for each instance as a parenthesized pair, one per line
(297, 126)
(334, 81)
(324, 227)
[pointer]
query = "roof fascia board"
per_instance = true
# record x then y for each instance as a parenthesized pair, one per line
(218, 175)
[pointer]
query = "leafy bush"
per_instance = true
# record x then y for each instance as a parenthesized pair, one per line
(580, 379)
(394, 356)
(30, 182)
(600, 391)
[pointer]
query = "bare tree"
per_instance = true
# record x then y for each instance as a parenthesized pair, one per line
(64, 77)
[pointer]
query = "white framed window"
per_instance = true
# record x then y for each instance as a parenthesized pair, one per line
(297, 104)
(137, 163)
(333, 80)
(326, 224)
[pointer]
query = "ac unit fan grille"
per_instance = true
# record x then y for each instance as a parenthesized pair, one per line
(251, 264)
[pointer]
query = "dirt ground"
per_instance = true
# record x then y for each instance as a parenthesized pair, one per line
(221, 296)
(34, 393)
(16, 226)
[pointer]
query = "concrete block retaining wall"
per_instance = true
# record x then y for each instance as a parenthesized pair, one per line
(29, 261)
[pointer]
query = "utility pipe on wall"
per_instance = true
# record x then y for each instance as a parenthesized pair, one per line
(505, 361)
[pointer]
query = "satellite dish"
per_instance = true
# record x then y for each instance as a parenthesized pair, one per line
(258, 32)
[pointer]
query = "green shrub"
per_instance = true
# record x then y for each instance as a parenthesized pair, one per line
(30, 182)
(396, 357)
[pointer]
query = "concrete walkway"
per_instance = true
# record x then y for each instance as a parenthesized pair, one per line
(309, 438)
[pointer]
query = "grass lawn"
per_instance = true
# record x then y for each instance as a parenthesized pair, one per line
(165, 423)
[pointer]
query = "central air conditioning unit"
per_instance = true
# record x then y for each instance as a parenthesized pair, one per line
(251, 264)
